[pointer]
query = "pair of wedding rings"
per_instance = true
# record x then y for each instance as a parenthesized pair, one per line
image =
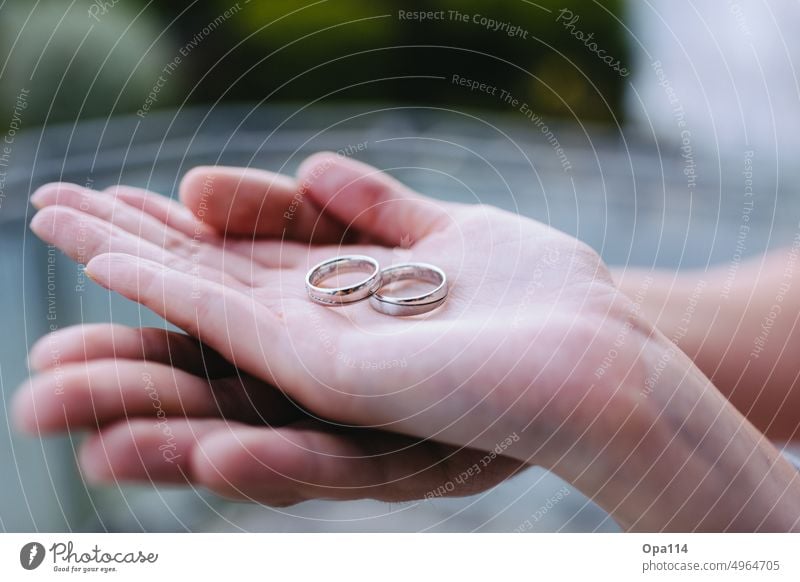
(373, 285)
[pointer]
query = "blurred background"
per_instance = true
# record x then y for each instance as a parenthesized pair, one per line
(635, 126)
(337, 50)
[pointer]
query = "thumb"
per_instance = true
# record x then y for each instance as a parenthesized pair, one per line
(370, 201)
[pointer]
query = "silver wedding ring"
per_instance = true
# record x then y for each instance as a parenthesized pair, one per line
(332, 296)
(375, 282)
(415, 304)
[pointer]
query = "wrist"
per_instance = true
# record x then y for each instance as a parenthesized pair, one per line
(659, 448)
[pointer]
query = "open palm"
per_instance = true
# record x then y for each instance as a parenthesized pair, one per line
(535, 358)
(509, 352)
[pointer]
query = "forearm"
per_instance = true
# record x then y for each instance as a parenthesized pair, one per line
(739, 327)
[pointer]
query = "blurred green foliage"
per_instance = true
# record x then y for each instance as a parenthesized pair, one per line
(306, 50)
(74, 66)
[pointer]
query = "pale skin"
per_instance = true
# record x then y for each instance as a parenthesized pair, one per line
(735, 334)
(309, 402)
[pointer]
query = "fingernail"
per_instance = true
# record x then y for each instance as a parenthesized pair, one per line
(89, 275)
(40, 226)
(21, 417)
(33, 356)
(37, 198)
(94, 468)
(39, 353)
(92, 473)
(31, 362)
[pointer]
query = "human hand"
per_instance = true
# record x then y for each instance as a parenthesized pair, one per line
(165, 409)
(477, 372)
(331, 360)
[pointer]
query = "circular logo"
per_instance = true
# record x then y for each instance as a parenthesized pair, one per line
(31, 555)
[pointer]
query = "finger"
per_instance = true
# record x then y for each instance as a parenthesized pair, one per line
(141, 451)
(250, 202)
(106, 207)
(282, 466)
(94, 393)
(85, 342)
(168, 211)
(272, 254)
(198, 249)
(370, 201)
(219, 316)
(82, 237)
(307, 461)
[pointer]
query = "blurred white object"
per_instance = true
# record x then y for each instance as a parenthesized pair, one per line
(725, 67)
